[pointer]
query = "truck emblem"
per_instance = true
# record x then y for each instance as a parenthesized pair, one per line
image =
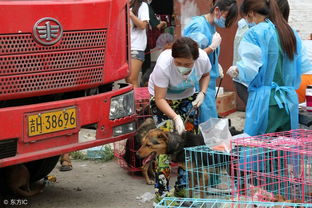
(47, 31)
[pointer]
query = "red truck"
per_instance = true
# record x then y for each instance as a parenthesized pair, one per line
(59, 61)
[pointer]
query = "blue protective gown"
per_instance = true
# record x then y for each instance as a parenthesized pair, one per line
(199, 24)
(259, 53)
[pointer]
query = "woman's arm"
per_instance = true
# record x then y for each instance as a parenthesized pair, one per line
(250, 61)
(162, 104)
(203, 82)
(208, 50)
(138, 23)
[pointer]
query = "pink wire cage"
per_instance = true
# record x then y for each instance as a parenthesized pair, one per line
(275, 167)
(125, 150)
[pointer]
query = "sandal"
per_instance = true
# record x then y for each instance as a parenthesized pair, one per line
(65, 165)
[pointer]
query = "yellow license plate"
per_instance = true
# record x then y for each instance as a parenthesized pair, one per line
(52, 121)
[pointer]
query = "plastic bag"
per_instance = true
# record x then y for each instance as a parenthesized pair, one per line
(146, 197)
(216, 134)
(163, 39)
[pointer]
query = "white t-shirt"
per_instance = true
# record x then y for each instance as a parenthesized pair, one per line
(138, 36)
(166, 75)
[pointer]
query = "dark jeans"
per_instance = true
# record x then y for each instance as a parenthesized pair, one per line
(242, 91)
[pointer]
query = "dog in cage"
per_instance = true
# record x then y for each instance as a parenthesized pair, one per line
(147, 164)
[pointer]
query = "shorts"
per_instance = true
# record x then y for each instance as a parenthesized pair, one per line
(139, 55)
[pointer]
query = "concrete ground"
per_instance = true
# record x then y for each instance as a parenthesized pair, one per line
(94, 184)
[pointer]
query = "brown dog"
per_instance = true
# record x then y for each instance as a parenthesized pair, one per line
(146, 164)
(158, 142)
(18, 181)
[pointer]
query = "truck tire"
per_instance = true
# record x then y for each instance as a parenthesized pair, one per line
(40, 168)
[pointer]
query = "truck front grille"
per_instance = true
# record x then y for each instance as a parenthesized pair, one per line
(71, 40)
(13, 65)
(29, 69)
(8, 148)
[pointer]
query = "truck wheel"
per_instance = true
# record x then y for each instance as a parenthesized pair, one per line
(40, 168)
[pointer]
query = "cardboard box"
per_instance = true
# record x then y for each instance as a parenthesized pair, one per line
(226, 103)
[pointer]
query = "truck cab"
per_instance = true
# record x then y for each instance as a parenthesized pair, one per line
(59, 61)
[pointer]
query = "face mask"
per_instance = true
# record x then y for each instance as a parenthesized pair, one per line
(220, 22)
(183, 70)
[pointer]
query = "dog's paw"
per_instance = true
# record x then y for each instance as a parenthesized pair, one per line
(150, 182)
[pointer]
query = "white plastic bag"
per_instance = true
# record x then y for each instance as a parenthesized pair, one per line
(216, 133)
(146, 197)
(163, 39)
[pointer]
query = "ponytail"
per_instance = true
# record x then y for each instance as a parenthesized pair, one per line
(285, 32)
(271, 10)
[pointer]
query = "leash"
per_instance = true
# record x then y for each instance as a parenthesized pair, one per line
(218, 88)
(189, 113)
(153, 51)
(194, 108)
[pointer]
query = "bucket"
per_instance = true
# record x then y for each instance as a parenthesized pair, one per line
(309, 98)
(95, 152)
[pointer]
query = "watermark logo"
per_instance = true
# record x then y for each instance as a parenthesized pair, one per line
(47, 31)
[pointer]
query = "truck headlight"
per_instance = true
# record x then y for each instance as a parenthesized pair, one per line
(121, 106)
(124, 129)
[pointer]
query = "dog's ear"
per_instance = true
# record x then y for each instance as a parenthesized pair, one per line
(144, 128)
(148, 123)
(175, 143)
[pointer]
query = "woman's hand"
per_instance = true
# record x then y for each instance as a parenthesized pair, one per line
(199, 99)
(161, 25)
(220, 71)
(232, 71)
(178, 124)
(216, 41)
(131, 13)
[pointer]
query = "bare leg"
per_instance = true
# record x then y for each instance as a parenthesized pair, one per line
(133, 77)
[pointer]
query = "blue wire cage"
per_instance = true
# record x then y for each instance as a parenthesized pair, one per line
(168, 202)
(274, 167)
(208, 173)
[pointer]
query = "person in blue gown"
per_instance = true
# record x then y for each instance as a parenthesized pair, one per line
(223, 14)
(270, 64)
